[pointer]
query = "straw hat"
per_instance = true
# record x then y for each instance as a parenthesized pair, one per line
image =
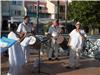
(78, 23)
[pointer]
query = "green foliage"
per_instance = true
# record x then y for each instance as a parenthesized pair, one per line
(87, 12)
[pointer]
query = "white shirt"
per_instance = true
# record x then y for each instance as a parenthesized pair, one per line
(16, 56)
(24, 28)
(76, 40)
(12, 35)
(54, 31)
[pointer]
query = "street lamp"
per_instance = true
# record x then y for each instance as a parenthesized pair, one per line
(37, 17)
(25, 10)
(66, 12)
(0, 17)
(58, 10)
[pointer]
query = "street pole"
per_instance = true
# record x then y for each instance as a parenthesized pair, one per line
(58, 10)
(0, 18)
(9, 16)
(66, 12)
(37, 17)
(25, 10)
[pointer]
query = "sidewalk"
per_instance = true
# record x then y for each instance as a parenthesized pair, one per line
(88, 66)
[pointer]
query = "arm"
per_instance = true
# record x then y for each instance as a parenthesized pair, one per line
(20, 32)
(22, 35)
(69, 39)
(83, 34)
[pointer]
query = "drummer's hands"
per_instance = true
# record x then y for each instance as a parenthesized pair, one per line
(18, 40)
(82, 36)
(69, 39)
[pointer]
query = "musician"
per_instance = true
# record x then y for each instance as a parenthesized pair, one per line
(24, 30)
(16, 56)
(76, 40)
(54, 31)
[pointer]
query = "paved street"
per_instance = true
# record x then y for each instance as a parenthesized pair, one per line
(50, 22)
(88, 66)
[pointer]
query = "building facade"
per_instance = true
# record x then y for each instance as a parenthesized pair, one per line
(11, 10)
(54, 8)
(31, 9)
(47, 9)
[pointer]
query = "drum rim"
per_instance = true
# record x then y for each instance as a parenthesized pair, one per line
(59, 37)
(31, 42)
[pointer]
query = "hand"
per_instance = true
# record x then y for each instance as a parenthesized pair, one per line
(82, 36)
(22, 35)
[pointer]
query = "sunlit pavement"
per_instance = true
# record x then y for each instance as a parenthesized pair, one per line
(88, 66)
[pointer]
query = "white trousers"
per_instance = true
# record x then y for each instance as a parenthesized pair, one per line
(25, 48)
(16, 59)
(74, 57)
(26, 52)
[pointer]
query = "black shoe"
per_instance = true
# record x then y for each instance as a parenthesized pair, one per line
(68, 67)
(77, 68)
(56, 59)
(49, 59)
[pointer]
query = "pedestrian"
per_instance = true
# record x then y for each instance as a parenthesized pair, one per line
(76, 40)
(16, 56)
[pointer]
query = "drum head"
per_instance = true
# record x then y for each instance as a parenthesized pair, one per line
(32, 40)
(60, 39)
(54, 34)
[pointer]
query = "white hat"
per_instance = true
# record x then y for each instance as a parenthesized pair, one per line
(78, 23)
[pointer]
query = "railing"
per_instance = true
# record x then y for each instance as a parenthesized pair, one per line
(90, 49)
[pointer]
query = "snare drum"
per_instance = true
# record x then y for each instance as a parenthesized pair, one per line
(59, 39)
(34, 43)
(62, 42)
(32, 40)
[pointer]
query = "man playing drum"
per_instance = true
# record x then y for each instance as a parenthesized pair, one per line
(24, 30)
(54, 31)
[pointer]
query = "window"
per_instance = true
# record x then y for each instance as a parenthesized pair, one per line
(31, 8)
(12, 13)
(19, 2)
(62, 9)
(16, 2)
(35, 7)
(40, 8)
(13, 2)
(17, 12)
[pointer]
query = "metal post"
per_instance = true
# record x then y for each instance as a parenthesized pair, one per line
(9, 16)
(0, 18)
(25, 10)
(58, 10)
(38, 17)
(66, 12)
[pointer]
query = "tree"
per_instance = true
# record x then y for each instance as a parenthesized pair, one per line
(87, 12)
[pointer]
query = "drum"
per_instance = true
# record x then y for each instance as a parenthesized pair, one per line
(62, 42)
(33, 43)
(32, 40)
(59, 39)
(54, 34)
